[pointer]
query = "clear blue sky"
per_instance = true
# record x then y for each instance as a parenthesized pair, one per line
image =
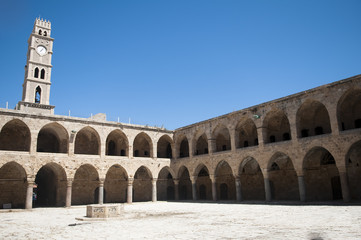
(174, 63)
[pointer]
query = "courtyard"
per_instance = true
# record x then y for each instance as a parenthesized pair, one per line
(186, 220)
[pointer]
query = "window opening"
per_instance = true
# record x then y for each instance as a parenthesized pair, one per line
(36, 73)
(37, 95)
(272, 139)
(42, 74)
(40, 32)
(304, 133)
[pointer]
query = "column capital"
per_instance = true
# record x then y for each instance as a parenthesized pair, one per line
(154, 180)
(193, 179)
(213, 178)
(130, 181)
(176, 181)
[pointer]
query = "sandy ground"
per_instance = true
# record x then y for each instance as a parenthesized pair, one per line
(164, 220)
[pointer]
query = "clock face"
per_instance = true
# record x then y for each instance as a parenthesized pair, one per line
(41, 50)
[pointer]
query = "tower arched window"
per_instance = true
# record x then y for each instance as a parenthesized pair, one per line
(37, 95)
(40, 32)
(36, 73)
(45, 33)
(42, 74)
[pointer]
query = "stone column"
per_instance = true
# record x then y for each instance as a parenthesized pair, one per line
(344, 186)
(232, 133)
(214, 187)
(211, 146)
(194, 187)
(154, 190)
(101, 192)
(302, 188)
(176, 189)
(130, 190)
(238, 189)
(267, 186)
(69, 184)
(29, 195)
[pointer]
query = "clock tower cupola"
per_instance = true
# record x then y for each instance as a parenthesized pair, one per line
(36, 86)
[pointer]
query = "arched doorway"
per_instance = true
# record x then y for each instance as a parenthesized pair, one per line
(353, 163)
(322, 180)
(87, 141)
(203, 183)
(225, 182)
(53, 138)
(50, 186)
(117, 144)
(165, 185)
(185, 184)
(164, 147)
(143, 146)
(142, 185)
(276, 127)
(251, 177)
(13, 185)
(15, 136)
(115, 185)
(86, 180)
(349, 110)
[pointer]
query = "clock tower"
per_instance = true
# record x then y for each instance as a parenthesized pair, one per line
(36, 86)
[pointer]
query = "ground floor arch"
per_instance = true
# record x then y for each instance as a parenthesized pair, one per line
(165, 185)
(225, 182)
(115, 185)
(203, 183)
(13, 185)
(321, 176)
(353, 163)
(142, 185)
(251, 178)
(185, 184)
(86, 181)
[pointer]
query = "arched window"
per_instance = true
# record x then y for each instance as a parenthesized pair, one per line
(37, 95)
(42, 74)
(36, 73)
(45, 33)
(40, 32)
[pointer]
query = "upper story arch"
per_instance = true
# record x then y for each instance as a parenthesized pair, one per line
(117, 144)
(312, 119)
(222, 138)
(87, 141)
(200, 143)
(246, 133)
(349, 110)
(183, 146)
(276, 127)
(164, 147)
(15, 136)
(53, 138)
(143, 145)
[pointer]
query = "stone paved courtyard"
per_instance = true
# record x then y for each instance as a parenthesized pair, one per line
(171, 220)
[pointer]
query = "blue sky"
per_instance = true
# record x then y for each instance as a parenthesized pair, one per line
(174, 63)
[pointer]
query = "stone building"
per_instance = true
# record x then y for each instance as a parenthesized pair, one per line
(303, 147)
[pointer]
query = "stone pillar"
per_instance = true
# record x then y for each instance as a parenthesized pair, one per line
(238, 189)
(194, 187)
(130, 190)
(214, 187)
(176, 189)
(260, 134)
(154, 190)
(267, 186)
(29, 195)
(130, 151)
(302, 188)
(190, 148)
(344, 186)
(101, 192)
(69, 184)
(154, 150)
(211, 146)
(232, 133)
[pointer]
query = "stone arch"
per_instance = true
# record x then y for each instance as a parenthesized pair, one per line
(312, 119)
(143, 146)
(13, 184)
(51, 186)
(86, 181)
(116, 184)
(246, 133)
(353, 163)
(252, 182)
(53, 138)
(200, 143)
(185, 184)
(203, 183)
(117, 144)
(222, 137)
(349, 110)
(142, 185)
(87, 141)
(283, 178)
(321, 176)
(165, 185)
(15, 136)
(183, 147)
(225, 182)
(276, 127)
(164, 147)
